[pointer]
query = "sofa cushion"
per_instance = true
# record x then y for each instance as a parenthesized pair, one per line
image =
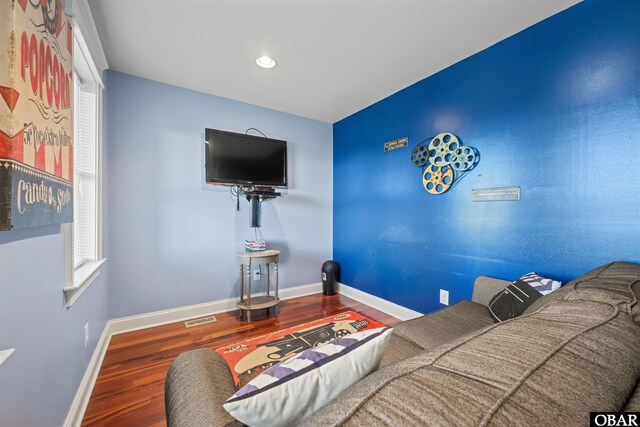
(634, 403)
(616, 283)
(443, 325)
(550, 367)
(398, 348)
(484, 288)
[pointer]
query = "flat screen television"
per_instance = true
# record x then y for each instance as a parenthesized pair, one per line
(239, 159)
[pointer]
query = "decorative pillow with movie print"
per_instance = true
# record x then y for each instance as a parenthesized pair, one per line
(292, 390)
(520, 294)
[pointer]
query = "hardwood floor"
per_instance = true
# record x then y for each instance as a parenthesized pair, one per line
(129, 390)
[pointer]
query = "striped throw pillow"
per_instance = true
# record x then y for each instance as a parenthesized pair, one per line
(290, 391)
(541, 284)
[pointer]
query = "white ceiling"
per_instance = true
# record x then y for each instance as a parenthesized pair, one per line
(334, 57)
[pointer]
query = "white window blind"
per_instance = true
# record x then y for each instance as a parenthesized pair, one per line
(83, 238)
(85, 173)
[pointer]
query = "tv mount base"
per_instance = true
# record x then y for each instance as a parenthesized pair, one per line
(255, 195)
(263, 192)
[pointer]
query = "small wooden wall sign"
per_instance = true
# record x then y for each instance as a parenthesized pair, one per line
(36, 114)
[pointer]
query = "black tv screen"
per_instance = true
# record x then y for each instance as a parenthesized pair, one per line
(235, 158)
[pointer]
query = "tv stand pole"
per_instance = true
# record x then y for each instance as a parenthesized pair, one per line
(255, 210)
(255, 195)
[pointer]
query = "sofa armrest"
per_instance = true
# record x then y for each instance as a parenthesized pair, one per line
(198, 383)
(484, 288)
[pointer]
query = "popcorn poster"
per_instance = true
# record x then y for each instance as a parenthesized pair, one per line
(36, 114)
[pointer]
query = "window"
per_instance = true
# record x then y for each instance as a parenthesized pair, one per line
(83, 246)
(84, 173)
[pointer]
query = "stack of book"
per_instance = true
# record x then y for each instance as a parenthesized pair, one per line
(255, 246)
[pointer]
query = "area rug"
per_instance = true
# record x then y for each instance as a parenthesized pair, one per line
(248, 358)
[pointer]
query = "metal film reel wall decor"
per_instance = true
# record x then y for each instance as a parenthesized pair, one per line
(441, 148)
(420, 155)
(437, 179)
(444, 161)
(463, 158)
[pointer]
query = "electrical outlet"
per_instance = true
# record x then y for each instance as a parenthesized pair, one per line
(444, 297)
(86, 335)
(256, 275)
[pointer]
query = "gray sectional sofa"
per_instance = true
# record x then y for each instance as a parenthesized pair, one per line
(573, 351)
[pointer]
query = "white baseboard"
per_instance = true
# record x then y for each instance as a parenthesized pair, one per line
(300, 291)
(81, 399)
(378, 303)
(157, 318)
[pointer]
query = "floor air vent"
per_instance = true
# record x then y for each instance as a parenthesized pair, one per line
(202, 320)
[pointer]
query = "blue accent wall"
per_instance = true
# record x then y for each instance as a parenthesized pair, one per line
(555, 109)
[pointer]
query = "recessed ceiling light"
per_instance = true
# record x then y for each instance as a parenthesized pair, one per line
(266, 62)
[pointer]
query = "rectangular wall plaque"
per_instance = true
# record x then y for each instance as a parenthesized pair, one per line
(495, 194)
(396, 143)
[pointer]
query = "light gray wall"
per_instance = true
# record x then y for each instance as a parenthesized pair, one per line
(38, 382)
(173, 238)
